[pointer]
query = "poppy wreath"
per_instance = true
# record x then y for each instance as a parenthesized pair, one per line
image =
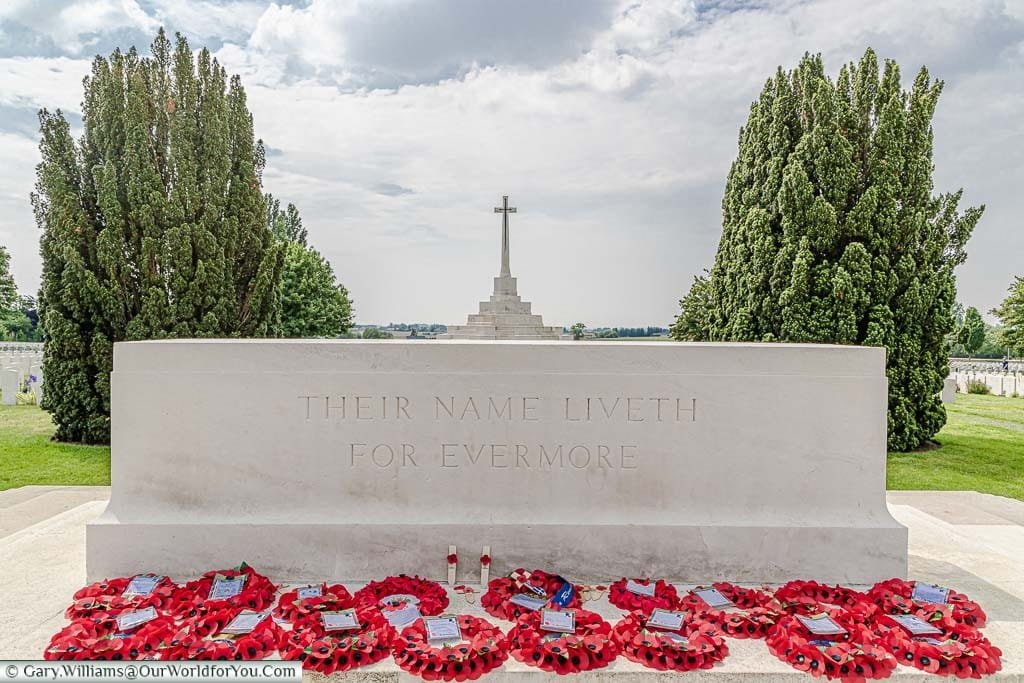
(592, 646)
(759, 611)
(199, 638)
(97, 638)
(497, 600)
(654, 649)
(257, 593)
(857, 656)
(432, 595)
(960, 650)
(894, 597)
(329, 651)
(665, 596)
(290, 607)
(484, 648)
(107, 597)
(811, 597)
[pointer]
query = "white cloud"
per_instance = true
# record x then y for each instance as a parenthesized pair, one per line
(69, 26)
(615, 149)
(210, 20)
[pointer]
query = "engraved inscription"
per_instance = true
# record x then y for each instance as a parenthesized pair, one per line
(632, 411)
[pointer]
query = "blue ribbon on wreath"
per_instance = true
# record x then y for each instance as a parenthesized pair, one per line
(564, 595)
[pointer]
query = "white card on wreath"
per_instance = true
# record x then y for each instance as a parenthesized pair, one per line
(244, 623)
(307, 592)
(399, 598)
(714, 598)
(224, 588)
(666, 619)
(915, 625)
(927, 592)
(344, 620)
(676, 638)
(639, 588)
(528, 601)
(129, 620)
(559, 621)
(822, 625)
(443, 629)
(141, 586)
(400, 618)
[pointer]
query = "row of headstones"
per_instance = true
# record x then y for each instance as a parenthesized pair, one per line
(982, 365)
(20, 371)
(10, 347)
(1000, 384)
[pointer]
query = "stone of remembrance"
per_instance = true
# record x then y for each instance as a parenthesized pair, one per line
(353, 460)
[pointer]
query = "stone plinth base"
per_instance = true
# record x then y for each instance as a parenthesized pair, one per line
(686, 554)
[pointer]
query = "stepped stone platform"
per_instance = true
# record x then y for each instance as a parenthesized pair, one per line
(504, 316)
(970, 541)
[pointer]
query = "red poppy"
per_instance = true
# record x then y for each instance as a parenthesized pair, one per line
(592, 646)
(201, 638)
(194, 599)
(753, 613)
(453, 558)
(811, 597)
(329, 651)
(695, 645)
(432, 595)
(856, 655)
(108, 597)
(98, 638)
(331, 598)
(483, 648)
(959, 650)
(485, 560)
(537, 583)
(665, 596)
(894, 596)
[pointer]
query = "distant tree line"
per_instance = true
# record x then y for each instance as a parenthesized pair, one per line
(974, 338)
(641, 331)
(433, 328)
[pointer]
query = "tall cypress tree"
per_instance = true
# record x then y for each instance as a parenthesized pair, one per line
(831, 232)
(153, 224)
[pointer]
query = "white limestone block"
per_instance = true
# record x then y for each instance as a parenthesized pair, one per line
(351, 460)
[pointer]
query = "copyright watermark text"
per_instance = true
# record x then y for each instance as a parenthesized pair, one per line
(165, 672)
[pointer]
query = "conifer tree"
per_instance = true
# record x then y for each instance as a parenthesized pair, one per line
(153, 223)
(286, 225)
(8, 291)
(1011, 313)
(831, 232)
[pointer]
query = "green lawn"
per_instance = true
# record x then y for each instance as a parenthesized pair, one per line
(27, 456)
(982, 449)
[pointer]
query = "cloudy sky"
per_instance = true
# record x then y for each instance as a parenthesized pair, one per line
(395, 126)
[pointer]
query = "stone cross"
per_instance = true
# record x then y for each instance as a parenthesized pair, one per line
(504, 210)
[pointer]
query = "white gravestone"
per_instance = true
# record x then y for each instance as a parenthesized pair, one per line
(949, 390)
(9, 386)
(352, 460)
